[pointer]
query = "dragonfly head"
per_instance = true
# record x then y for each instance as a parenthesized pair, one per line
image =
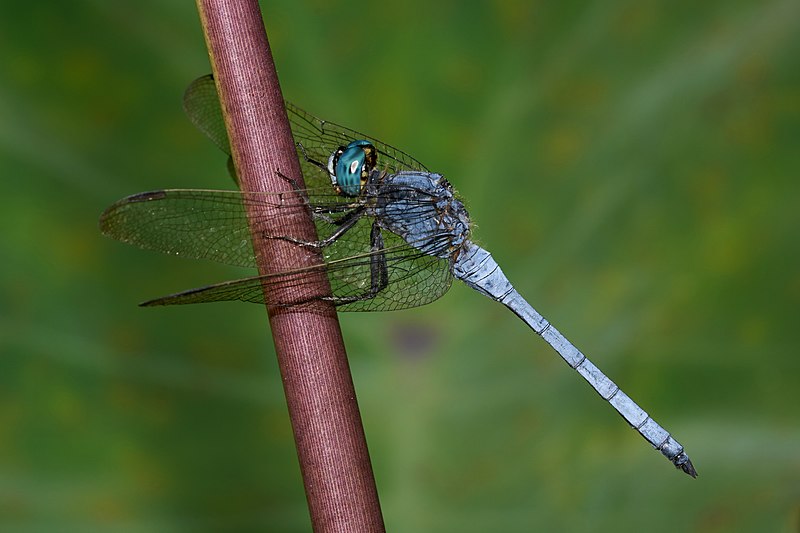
(350, 167)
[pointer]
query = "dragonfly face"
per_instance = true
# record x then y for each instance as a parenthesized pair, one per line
(350, 167)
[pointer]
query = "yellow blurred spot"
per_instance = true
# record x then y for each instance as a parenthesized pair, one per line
(517, 18)
(148, 475)
(108, 508)
(636, 20)
(706, 188)
(794, 287)
(81, 69)
(725, 250)
(583, 93)
(754, 330)
(562, 146)
(67, 407)
(71, 250)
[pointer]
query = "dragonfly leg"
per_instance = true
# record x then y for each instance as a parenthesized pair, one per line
(345, 223)
(318, 213)
(309, 159)
(379, 272)
(304, 197)
(293, 183)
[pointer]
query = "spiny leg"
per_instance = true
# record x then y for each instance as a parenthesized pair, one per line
(293, 182)
(345, 223)
(314, 162)
(379, 271)
(317, 212)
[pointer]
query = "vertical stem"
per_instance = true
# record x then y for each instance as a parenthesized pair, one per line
(329, 436)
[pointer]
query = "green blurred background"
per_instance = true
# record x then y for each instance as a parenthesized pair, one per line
(632, 165)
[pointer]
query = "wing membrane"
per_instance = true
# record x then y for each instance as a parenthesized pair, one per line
(207, 224)
(201, 105)
(318, 138)
(414, 279)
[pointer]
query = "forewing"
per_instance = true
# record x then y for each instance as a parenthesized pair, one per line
(316, 139)
(207, 224)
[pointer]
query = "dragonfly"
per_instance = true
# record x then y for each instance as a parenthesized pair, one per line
(391, 235)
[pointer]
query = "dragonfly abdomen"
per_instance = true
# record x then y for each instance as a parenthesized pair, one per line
(479, 270)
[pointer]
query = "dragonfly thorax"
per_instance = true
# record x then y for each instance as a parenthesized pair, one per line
(422, 208)
(350, 166)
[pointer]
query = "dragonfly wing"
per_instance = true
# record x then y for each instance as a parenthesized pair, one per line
(250, 289)
(207, 224)
(414, 279)
(316, 139)
(201, 105)
(213, 225)
(320, 138)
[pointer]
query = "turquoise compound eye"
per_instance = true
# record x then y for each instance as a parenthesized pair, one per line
(350, 167)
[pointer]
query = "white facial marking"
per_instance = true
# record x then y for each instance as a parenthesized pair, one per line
(331, 173)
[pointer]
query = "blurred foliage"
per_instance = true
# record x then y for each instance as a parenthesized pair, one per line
(642, 157)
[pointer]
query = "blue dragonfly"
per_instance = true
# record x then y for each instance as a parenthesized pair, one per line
(392, 235)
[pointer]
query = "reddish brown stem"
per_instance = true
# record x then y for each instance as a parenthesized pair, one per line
(329, 436)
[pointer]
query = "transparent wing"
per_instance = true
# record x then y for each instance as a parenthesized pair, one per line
(414, 279)
(321, 138)
(316, 139)
(207, 224)
(201, 105)
(213, 225)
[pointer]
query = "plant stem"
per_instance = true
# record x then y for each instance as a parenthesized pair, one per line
(329, 435)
